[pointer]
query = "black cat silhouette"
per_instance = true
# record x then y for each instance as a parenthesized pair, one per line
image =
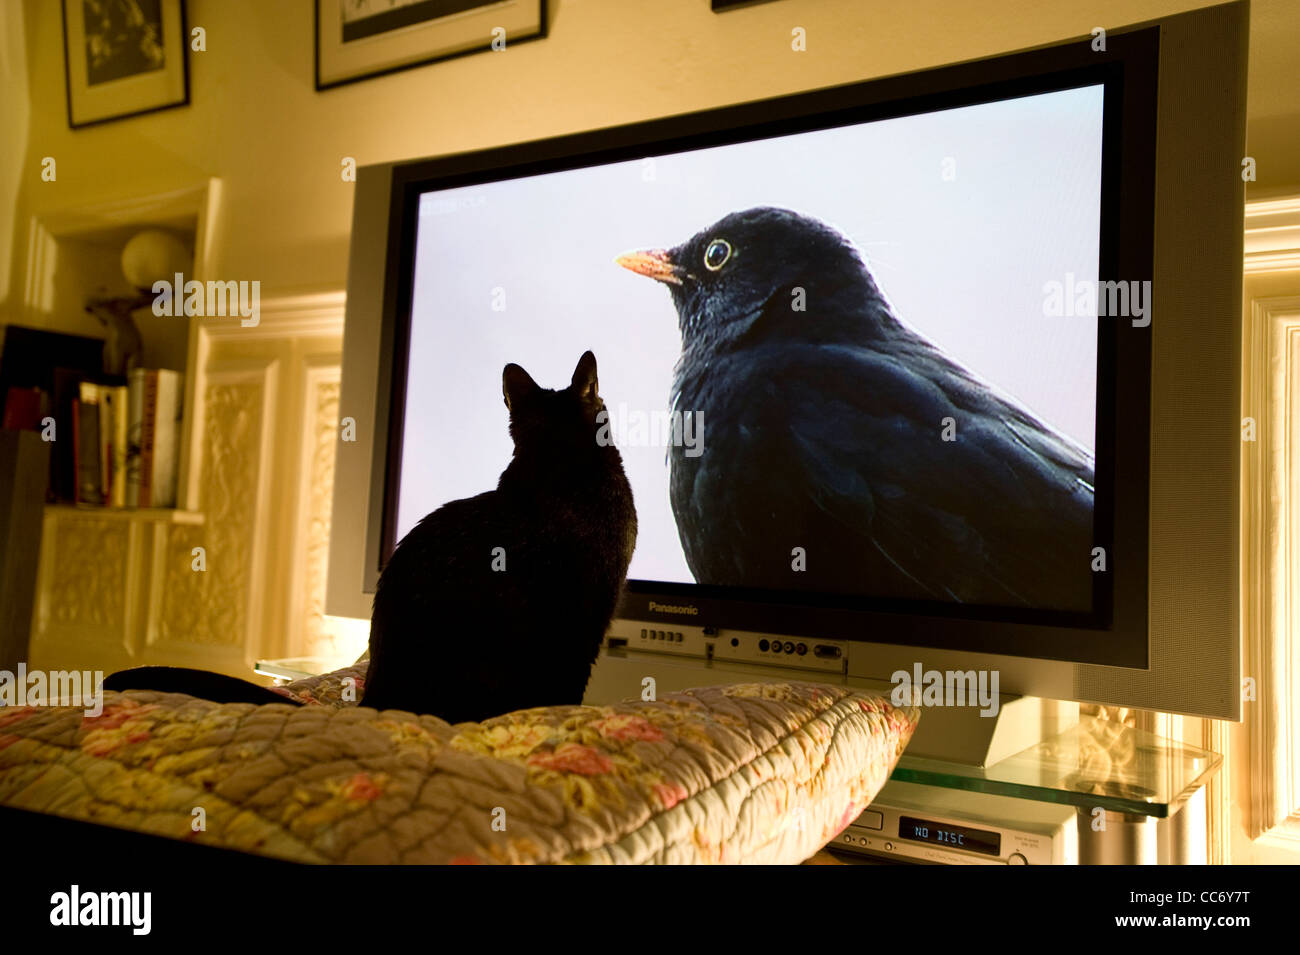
(499, 602)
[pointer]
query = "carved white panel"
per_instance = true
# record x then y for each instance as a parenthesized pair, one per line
(94, 588)
(88, 583)
(320, 405)
(221, 605)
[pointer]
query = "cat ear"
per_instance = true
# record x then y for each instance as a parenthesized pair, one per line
(516, 385)
(584, 377)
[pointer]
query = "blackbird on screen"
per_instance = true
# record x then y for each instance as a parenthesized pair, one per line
(846, 453)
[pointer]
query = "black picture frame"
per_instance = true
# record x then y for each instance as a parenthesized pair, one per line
(326, 83)
(179, 14)
(723, 6)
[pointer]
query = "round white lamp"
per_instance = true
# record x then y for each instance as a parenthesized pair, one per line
(148, 257)
(152, 256)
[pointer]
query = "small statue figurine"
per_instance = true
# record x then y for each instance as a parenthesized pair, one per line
(122, 345)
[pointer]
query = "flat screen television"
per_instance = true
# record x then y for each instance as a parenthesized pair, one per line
(903, 364)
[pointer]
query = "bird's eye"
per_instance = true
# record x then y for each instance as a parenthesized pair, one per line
(717, 254)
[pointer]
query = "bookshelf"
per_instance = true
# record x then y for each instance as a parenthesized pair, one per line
(75, 254)
(121, 587)
(104, 572)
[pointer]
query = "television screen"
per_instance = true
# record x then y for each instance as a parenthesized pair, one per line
(858, 361)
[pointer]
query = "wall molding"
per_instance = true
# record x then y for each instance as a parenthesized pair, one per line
(200, 202)
(1270, 548)
(1272, 239)
(283, 316)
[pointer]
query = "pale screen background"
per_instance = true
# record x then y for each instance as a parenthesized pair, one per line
(962, 215)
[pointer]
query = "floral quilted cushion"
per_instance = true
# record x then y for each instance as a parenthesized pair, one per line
(742, 773)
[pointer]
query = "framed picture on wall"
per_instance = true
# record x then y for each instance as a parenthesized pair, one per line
(123, 58)
(358, 39)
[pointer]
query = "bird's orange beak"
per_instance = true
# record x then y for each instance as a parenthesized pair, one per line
(654, 263)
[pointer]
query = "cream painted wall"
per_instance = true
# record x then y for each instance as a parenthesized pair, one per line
(15, 115)
(256, 121)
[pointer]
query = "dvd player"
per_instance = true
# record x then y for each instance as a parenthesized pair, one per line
(908, 822)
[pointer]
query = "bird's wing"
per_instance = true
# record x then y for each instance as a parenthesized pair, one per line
(996, 516)
(971, 395)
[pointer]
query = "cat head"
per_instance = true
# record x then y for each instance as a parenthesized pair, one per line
(545, 419)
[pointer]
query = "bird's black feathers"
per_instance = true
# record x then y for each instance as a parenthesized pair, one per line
(826, 433)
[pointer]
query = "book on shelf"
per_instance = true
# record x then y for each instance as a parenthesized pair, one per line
(112, 437)
(23, 409)
(153, 436)
(135, 436)
(85, 422)
(127, 440)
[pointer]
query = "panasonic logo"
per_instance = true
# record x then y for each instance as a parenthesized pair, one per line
(666, 608)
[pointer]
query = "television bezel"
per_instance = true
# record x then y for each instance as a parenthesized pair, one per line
(1115, 632)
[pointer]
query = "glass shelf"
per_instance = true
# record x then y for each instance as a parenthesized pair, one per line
(290, 669)
(1097, 763)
